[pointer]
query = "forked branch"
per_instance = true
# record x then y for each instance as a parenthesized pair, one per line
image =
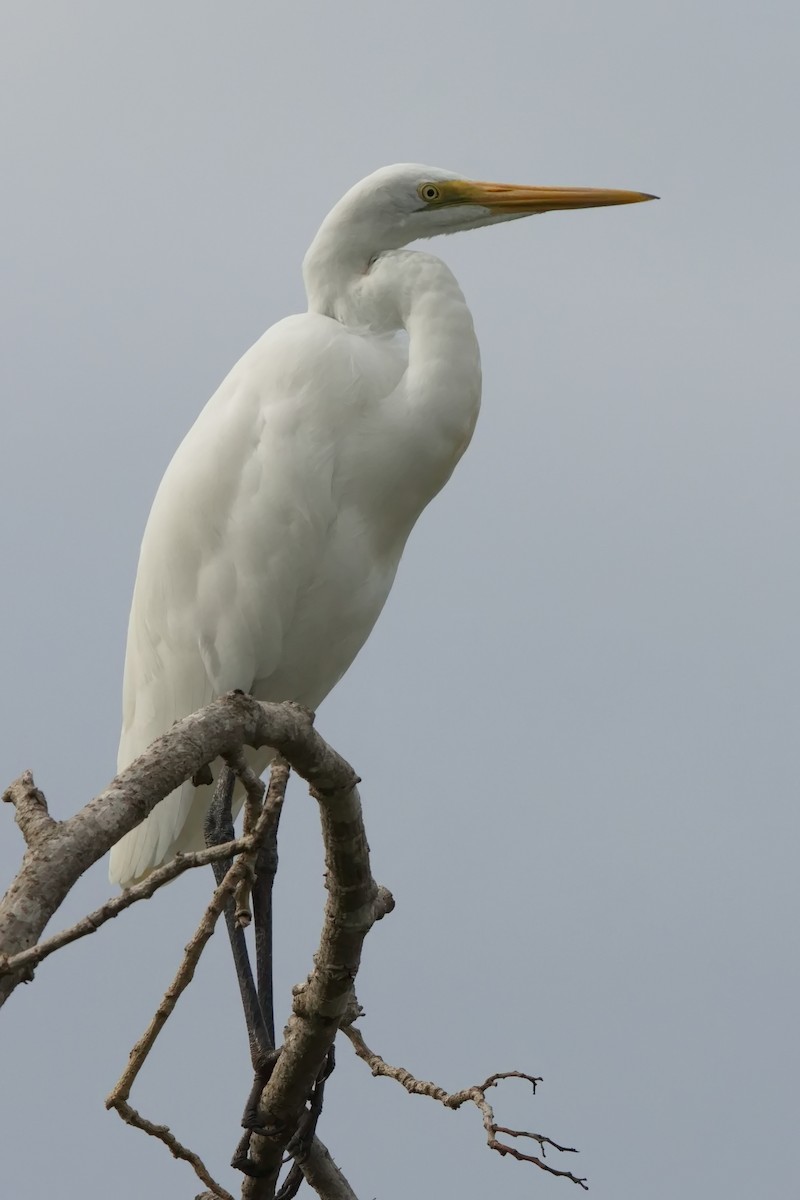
(58, 852)
(355, 903)
(475, 1095)
(27, 959)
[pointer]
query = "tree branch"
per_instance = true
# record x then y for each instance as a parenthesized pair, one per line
(31, 814)
(131, 1117)
(58, 853)
(323, 1175)
(477, 1096)
(120, 1094)
(117, 904)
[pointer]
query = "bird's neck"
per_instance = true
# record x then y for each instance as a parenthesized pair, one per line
(443, 378)
(335, 260)
(436, 403)
(435, 406)
(324, 281)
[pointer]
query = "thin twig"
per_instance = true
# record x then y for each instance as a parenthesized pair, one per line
(475, 1095)
(117, 904)
(131, 1117)
(536, 1137)
(118, 1097)
(179, 984)
(252, 807)
(256, 996)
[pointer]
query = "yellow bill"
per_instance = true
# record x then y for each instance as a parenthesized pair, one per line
(511, 198)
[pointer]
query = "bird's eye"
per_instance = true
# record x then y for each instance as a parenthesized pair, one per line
(428, 192)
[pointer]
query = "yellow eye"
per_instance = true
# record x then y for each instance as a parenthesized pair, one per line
(428, 192)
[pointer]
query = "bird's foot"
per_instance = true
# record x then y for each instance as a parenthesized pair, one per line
(299, 1144)
(251, 1120)
(262, 1075)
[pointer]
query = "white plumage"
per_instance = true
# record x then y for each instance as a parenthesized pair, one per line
(278, 527)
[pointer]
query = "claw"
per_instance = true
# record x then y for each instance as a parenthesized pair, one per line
(263, 1073)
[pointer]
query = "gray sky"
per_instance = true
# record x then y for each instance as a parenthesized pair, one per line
(577, 718)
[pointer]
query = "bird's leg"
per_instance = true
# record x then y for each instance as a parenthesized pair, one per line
(266, 867)
(257, 1002)
(241, 1160)
(219, 829)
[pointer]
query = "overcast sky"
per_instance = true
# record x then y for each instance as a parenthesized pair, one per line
(576, 720)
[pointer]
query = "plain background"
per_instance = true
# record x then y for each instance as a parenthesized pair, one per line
(577, 718)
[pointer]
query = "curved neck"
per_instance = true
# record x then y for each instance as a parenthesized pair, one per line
(443, 356)
(330, 266)
(338, 258)
(434, 404)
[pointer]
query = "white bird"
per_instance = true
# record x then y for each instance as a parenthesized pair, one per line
(278, 527)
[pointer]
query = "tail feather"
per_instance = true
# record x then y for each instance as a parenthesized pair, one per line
(159, 837)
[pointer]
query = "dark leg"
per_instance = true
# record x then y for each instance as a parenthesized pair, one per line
(265, 871)
(219, 829)
(258, 1001)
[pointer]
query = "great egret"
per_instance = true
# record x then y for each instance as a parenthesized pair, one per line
(278, 527)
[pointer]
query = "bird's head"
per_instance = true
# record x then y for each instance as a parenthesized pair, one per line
(399, 204)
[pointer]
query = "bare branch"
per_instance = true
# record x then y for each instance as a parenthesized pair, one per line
(323, 1175)
(118, 1098)
(536, 1137)
(55, 861)
(182, 979)
(148, 886)
(131, 1117)
(58, 853)
(117, 904)
(254, 792)
(31, 815)
(475, 1095)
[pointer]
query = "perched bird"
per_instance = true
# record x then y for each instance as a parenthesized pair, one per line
(278, 527)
